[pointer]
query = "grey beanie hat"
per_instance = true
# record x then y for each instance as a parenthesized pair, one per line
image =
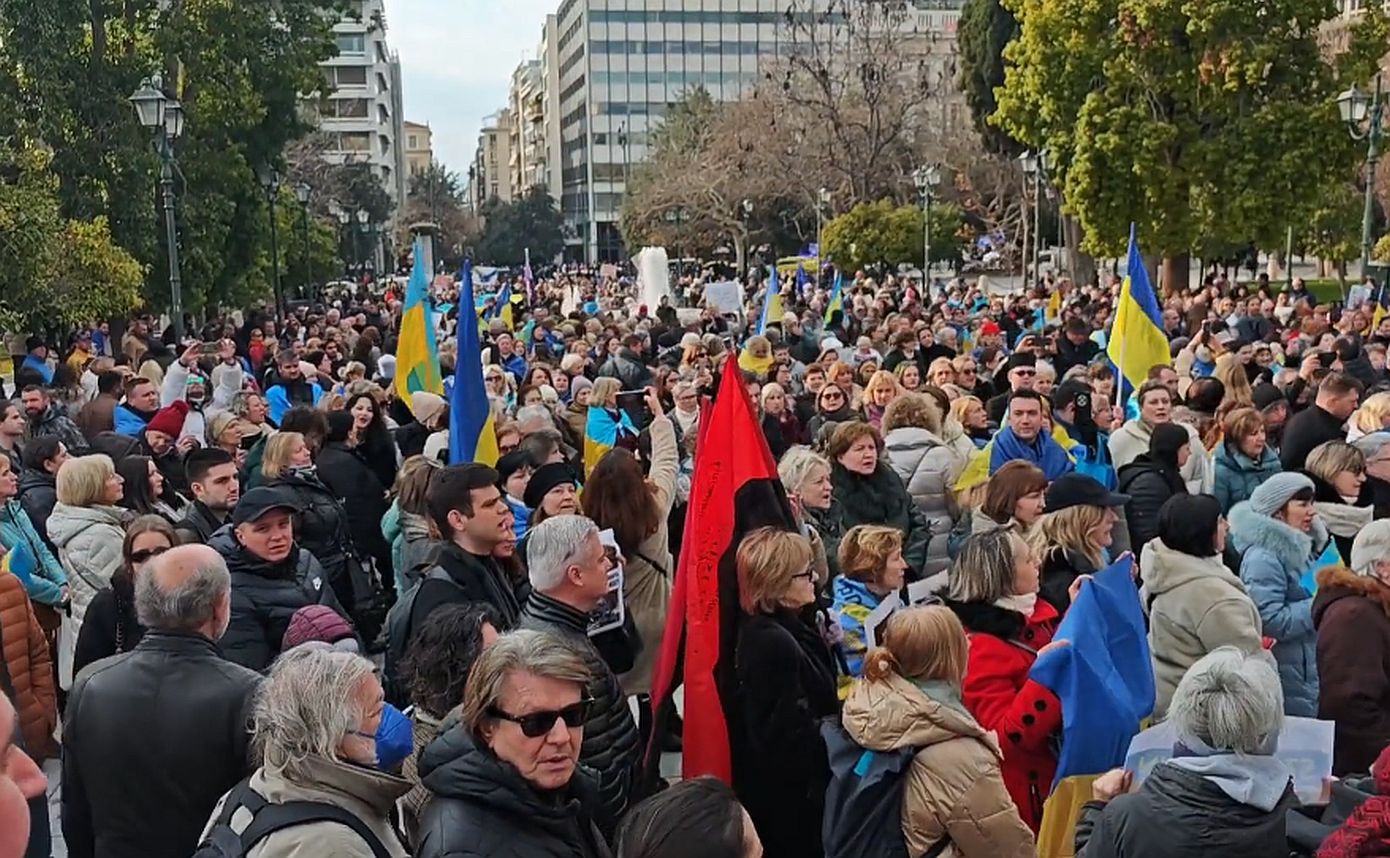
(1274, 493)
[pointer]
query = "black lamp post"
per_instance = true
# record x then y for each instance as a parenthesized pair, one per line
(163, 118)
(302, 192)
(270, 181)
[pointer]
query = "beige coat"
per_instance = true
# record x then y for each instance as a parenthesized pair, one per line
(955, 788)
(646, 588)
(1132, 440)
(366, 793)
(1195, 604)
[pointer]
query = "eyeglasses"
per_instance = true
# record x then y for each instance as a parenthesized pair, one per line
(537, 724)
(969, 370)
(809, 574)
(1023, 370)
(145, 554)
(828, 396)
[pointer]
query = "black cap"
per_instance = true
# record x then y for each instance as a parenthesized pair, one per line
(546, 478)
(1073, 489)
(260, 501)
(1265, 395)
(1018, 359)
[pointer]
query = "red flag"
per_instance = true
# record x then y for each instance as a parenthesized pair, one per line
(734, 490)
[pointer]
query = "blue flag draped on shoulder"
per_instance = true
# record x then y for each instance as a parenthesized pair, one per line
(417, 358)
(772, 304)
(1137, 342)
(471, 434)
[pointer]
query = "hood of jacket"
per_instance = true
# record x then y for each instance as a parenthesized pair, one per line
(1293, 548)
(1228, 456)
(894, 713)
(455, 766)
(1165, 570)
(1336, 583)
(67, 522)
(30, 479)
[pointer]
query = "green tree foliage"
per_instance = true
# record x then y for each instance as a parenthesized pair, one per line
(533, 222)
(883, 233)
(54, 271)
(237, 68)
(986, 27)
(1209, 122)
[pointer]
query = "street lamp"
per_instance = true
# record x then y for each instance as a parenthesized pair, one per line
(363, 218)
(926, 178)
(343, 230)
(1359, 109)
(676, 216)
(163, 118)
(302, 192)
(270, 181)
(1032, 169)
(822, 203)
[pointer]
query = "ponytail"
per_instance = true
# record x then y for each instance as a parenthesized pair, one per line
(881, 664)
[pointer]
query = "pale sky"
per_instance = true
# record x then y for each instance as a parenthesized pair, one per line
(457, 58)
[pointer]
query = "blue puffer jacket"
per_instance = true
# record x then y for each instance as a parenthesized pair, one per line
(853, 602)
(1237, 475)
(1274, 557)
(46, 585)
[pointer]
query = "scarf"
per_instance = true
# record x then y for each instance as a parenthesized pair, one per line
(1254, 780)
(1019, 603)
(945, 693)
(1044, 452)
(1343, 519)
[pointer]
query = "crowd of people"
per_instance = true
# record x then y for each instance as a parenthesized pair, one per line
(252, 607)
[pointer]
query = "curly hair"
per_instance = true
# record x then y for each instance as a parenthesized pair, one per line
(434, 670)
(913, 410)
(865, 549)
(845, 436)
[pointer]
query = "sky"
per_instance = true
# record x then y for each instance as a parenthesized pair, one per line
(457, 58)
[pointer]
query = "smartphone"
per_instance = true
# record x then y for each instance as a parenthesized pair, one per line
(210, 348)
(1326, 359)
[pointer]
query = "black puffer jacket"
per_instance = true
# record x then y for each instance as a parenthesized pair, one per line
(611, 746)
(1180, 814)
(322, 528)
(265, 596)
(483, 808)
(38, 492)
(1149, 484)
(1060, 568)
(880, 498)
(348, 475)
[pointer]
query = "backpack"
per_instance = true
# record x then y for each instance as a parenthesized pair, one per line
(398, 634)
(267, 818)
(864, 802)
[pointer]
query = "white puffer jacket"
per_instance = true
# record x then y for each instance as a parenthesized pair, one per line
(928, 467)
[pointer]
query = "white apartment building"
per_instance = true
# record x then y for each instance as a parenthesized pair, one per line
(611, 69)
(490, 173)
(361, 110)
(526, 148)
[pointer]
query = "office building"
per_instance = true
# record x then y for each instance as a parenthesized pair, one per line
(419, 148)
(526, 148)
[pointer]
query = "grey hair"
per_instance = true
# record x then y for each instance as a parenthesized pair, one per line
(188, 606)
(527, 413)
(543, 654)
(1231, 701)
(552, 544)
(984, 569)
(796, 465)
(307, 706)
(241, 402)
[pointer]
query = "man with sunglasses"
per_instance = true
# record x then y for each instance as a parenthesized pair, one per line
(1021, 373)
(569, 568)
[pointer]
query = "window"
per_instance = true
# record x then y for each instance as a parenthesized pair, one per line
(355, 141)
(351, 43)
(412, 142)
(347, 108)
(350, 76)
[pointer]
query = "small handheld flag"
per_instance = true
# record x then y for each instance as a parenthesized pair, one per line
(773, 297)
(837, 298)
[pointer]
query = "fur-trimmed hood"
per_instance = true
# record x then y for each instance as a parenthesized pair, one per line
(1339, 582)
(1294, 549)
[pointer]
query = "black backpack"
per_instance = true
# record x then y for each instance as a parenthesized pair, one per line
(864, 802)
(267, 818)
(398, 634)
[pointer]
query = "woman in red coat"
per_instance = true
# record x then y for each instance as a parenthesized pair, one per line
(994, 591)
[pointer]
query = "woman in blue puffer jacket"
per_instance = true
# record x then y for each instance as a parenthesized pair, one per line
(47, 584)
(1243, 459)
(1280, 537)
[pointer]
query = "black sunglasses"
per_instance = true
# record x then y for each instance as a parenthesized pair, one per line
(537, 724)
(145, 554)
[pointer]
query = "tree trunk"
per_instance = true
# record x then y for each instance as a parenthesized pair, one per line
(1083, 265)
(740, 255)
(1174, 274)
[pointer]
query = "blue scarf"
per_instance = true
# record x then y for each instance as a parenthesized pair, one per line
(1044, 452)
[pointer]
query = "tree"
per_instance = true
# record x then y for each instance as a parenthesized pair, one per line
(531, 222)
(986, 27)
(882, 233)
(1333, 232)
(54, 272)
(1201, 122)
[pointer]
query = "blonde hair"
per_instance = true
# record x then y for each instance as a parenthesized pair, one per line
(925, 642)
(984, 570)
(797, 465)
(278, 450)
(961, 407)
(1069, 529)
(604, 393)
(865, 549)
(1241, 423)
(772, 388)
(82, 480)
(882, 379)
(332, 402)
(1370, 417)
(1232, 374)
(758, 346)
(767, 560)
(941, 363)
(1330, 458)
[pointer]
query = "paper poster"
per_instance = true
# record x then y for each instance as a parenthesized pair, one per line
(878, 616)
(611, 611)
(727, 296)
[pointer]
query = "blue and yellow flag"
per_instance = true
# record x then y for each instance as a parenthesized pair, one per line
(802, 280)
(472, 437)
(417, 358)
(837, 298)
(502, 308)
(1137, 341)
(602, 431)
(772, 304)
(1380, 310)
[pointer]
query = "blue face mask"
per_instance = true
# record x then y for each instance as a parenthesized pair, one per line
(394, 738)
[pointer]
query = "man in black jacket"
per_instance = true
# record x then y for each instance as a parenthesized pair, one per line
(1324, 420)
(212, 477)
(627, 365)
(1075, 347)
(153, 737)
(568, 568)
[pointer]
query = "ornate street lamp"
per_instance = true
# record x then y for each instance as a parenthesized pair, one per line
(1363, 116)
(926, 178)
(163, 117)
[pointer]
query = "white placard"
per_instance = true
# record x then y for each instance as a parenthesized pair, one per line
(727, 296)
(878, 615)
(612, 611)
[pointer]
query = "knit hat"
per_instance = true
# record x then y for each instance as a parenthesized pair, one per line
(1372, 544)
(1167, 439)
(1272, 494)
(990, 329)
(1265, 394)
(511, 463)
(579, 383)
(317, 623)
(425, 405)
(437, 447)
(169, 419)
(546, 478)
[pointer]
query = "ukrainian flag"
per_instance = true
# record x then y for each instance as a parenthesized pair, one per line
(502, 309)
(837, 298)
(417, 358)
(602, 431)
(772, 304)
(1137, 341)
(472, 437)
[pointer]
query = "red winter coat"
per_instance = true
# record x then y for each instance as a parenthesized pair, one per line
(1025, 716)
